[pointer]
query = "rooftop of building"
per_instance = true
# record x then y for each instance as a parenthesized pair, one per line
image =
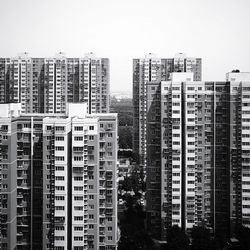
(58, 55)
(234, 76)
(237, 76)
(178, 55)
(73, 110)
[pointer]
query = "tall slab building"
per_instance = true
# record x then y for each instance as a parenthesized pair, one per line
(148, 73)
(58, 186)
(198, 151)
(46, 85)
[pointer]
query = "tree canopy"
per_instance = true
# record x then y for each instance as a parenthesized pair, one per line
(177, 239)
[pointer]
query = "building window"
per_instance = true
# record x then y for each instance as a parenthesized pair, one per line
(78, 238)
(59, 238)
(78, 149)
(59, 198)
(59, 138)
(48, 127)
(61, 208)
(78, 138)
(59, 128)
(78, 198)
(78, 128)
(78, 218)
(26, 125)
(61, 148)
(78, 158)
(59, 168)
(60, 178)
(78, 178)
(78, 208)
(176, 197)
(59, 158)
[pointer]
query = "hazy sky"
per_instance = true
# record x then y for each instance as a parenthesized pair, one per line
(218, 31)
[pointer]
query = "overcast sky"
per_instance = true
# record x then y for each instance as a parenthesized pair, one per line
(218, 31)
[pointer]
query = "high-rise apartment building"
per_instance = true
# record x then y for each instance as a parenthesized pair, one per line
(239, 149)
(46, 85)
(154, 70)
(198, 152)
(58, 186)
(147, 76)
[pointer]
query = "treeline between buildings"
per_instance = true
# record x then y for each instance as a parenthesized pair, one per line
(124, 108)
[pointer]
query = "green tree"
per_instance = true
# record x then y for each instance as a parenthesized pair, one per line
(220, 239)
(125, 137)
(134, 182)
(133, 233)
(201, 238)
(177, 239)
(243, 235)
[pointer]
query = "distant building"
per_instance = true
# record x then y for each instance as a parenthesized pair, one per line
(198, 154)
(154, 70)
(59, 173)
(46, 85)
